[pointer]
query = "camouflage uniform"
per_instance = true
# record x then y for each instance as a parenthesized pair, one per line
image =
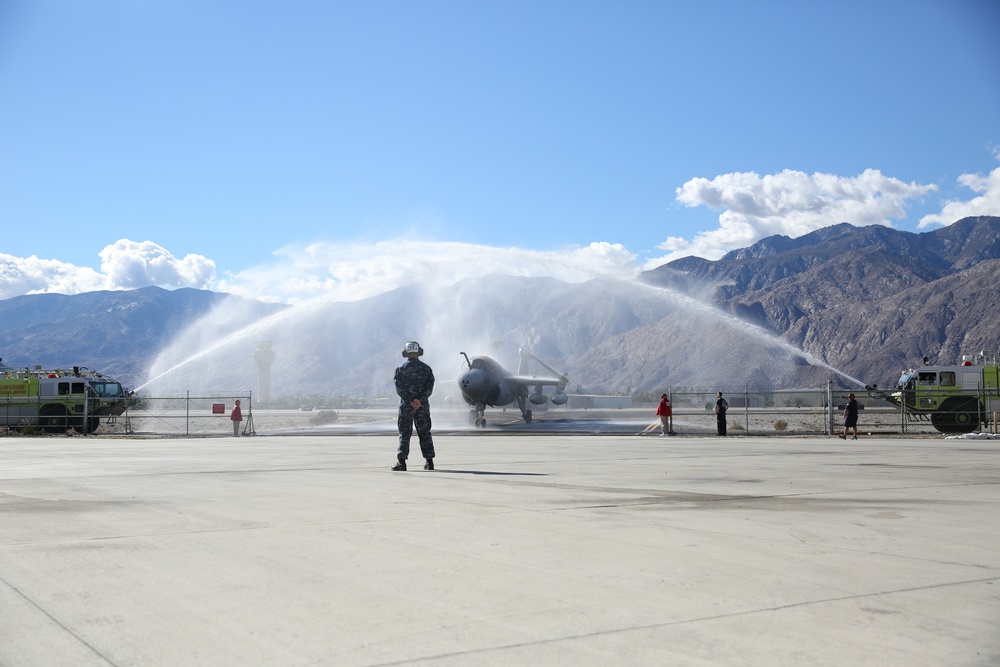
(414, 379)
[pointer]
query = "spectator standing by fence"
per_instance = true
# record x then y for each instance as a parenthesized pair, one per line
(850, 417)
(721, 406)
(665, 413)
(237, 417)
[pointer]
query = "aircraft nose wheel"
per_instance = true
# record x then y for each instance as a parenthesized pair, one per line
(476, 420)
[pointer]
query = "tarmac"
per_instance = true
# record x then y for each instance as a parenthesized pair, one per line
(553, 549)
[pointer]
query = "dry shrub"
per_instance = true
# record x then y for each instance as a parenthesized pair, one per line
(324, 417)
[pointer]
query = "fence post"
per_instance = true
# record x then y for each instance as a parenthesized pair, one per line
(249, 429)
(128, 422)
(981, 402)
(829, 407)
(86, 411)
(902, 412)
(187, 413)
(746, 406)
(670, 419)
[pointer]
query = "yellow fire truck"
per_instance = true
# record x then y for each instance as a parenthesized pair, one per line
(955, 399)
(58, 400)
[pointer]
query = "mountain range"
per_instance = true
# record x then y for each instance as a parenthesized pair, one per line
(847, 304)
(118, 333)
(871, 301)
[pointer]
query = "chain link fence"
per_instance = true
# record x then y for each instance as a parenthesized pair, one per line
(817, 411)
(186, 415)
(754, 412)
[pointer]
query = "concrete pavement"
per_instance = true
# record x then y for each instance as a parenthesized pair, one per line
(519, 549)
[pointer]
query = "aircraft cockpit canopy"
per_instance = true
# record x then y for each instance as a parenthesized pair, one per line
(483, 364)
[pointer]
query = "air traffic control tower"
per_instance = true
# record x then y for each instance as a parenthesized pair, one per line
(264, 356)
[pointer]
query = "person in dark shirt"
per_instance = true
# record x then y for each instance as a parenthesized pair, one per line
(721, 405)
(850, 417)
(414, 384)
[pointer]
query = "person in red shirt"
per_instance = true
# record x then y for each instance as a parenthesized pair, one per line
(237, 417)
(664, 411)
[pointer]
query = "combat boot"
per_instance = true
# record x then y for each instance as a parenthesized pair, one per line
(400, 465)
(429, 465)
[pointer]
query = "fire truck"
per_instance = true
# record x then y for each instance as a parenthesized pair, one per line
(955, 399)
(58, 400)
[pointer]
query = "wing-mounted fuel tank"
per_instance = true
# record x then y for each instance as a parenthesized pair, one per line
(538, 398)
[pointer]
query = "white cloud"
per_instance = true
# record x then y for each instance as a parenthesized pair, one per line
(131, 264)
(300, 273)
(124, 265)
(791, 203)
(347, 272)
(31, 275)
(987, 203)
(752, 207)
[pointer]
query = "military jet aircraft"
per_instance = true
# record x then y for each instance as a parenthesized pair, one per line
(486, 382)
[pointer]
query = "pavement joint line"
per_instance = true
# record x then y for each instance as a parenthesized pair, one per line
(59, 623)
(687, 621)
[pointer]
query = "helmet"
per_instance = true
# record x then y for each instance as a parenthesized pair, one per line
(413, 347)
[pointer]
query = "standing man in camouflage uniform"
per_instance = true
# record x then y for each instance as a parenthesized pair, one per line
(414, 384)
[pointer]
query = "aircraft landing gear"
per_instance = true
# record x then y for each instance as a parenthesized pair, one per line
(477, 417)
(525, 412)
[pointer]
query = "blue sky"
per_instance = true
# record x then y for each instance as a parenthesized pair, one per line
(298, 149)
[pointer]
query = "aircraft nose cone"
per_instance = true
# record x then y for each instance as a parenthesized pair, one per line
(471, 381)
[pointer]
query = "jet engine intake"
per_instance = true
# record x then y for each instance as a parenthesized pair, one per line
(501, 394)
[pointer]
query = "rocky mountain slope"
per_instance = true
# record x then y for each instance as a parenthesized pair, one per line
(117, 333)
(871, 301)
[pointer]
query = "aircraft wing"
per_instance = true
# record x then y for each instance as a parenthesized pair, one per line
(534, 381)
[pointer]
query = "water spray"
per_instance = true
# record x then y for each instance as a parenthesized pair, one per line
(747, 327)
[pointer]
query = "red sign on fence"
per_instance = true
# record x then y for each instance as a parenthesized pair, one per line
(218, 408)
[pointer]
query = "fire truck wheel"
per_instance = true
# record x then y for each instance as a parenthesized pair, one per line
(53, 418)
(958, 414)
